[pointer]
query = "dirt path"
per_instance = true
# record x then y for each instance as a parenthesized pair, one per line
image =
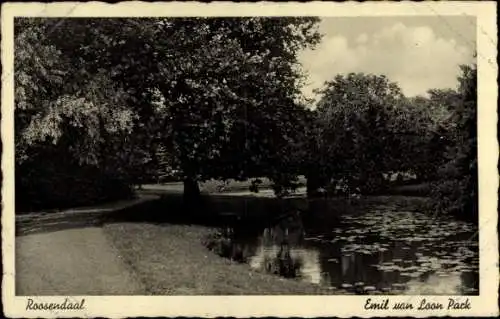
(72, 262)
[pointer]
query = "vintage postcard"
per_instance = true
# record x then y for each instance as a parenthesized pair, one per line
(249, 159)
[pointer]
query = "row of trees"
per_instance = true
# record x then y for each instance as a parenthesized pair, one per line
(366, 128)
(102, 104)
(212, 98)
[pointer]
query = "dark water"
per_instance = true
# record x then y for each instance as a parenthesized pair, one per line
(379, 248)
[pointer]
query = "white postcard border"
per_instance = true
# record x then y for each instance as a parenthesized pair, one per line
(280, 306)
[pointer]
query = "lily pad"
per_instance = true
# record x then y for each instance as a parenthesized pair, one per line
(309, 238)
(470, 290)
(398, 286)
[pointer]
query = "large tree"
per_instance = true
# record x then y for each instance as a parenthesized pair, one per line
(217, 95)
(356, 128)
(232, 95)
(423, 127)
(68, 119)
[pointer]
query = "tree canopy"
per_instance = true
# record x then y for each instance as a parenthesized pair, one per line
(102, 104)
(215, 95)
(358, 127)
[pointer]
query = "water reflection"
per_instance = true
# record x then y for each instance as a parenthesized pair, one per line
(284, 259)
(441, 284)
(374, 250)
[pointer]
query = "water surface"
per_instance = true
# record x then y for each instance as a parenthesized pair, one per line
(379, 248)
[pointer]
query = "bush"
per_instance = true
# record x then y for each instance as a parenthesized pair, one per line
(457, 196)
(47, 183)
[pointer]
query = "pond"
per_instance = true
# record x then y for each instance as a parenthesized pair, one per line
(367, 248)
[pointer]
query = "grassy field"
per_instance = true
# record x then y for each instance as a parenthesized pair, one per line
(233, 186)
(211, 186)
(171, 260)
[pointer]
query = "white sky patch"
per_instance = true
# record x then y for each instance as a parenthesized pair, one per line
(415, 57)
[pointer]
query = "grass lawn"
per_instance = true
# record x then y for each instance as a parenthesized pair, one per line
(210, 186)
(171, 260)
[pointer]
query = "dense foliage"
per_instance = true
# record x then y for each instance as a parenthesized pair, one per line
(103, 104)
(204, 98)
(358, 129)
(366, 130)
(456, 190)
(63, 118)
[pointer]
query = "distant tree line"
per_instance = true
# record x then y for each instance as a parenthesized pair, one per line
(365, 129)
(103, 104)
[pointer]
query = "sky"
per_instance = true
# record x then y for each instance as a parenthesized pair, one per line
(419, 53)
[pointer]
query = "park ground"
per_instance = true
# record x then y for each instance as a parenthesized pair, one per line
(136, 257)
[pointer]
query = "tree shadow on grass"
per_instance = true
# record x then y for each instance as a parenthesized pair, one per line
(209, 210)
(246, 214)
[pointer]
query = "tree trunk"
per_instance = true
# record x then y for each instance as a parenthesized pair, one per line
(191, 197)
(312, 185)
(191, 190)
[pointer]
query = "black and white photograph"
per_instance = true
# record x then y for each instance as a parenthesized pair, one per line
(245, 154)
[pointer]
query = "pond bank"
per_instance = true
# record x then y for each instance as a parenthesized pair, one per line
(378, 245)
(143, 243)
(137, 259)
(171, 260)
